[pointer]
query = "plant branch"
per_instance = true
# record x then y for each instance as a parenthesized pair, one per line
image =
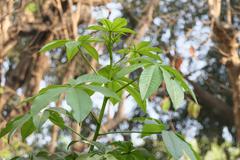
(96, 134)
(86, 60)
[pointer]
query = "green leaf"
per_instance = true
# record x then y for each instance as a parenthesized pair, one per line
(114, 86)
(152, 49)
(127, 70)
(107, 23)
(149, 119)
(72, 49)
(44, 99)
(105, 91)
(56, 119)
(119, 23)
(143, 44)
(97, 28)
(80, 103)
(123, 51)
(174, 89)
(18, 124)
(27, 129)
(149, 81)
(91, 78)
(166, 104)
(52, 45)
(147, 60)
(181, 80)
(176, 146)
(125, 30)
(59, 111)
(90, 50)
(153, 127)
(150, 54)
(134, 92)
(86, 39)
(39, 120)
(9, 127)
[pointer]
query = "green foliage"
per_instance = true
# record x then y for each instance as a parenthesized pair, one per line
(174, 89)
(149, 81)
(81, 107)
(110, 81)
(177, 147)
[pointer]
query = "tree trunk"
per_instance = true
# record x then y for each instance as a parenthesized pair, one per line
(225, 38)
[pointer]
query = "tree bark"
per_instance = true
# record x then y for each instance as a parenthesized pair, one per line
(225, 38)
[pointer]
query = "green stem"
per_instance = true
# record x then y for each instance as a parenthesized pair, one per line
(87, 61)
(127, 132)
(82, 137)
(110, 49)
(94, 117)
(96, 134)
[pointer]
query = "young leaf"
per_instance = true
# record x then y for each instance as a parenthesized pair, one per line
(105, 91)
(174, 89)
(143, 44)
(177, 147)
(106, 23)
(97, 28)
(90, 50)
(52, 45)
(80, 103)
(125, 30)
(44, 99)
(149, 81)
(119, 23)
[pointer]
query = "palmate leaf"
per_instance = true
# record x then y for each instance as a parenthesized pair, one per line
(174, 89)
(177, 147)
(80, 103)
(149, 81)
(52, 45)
